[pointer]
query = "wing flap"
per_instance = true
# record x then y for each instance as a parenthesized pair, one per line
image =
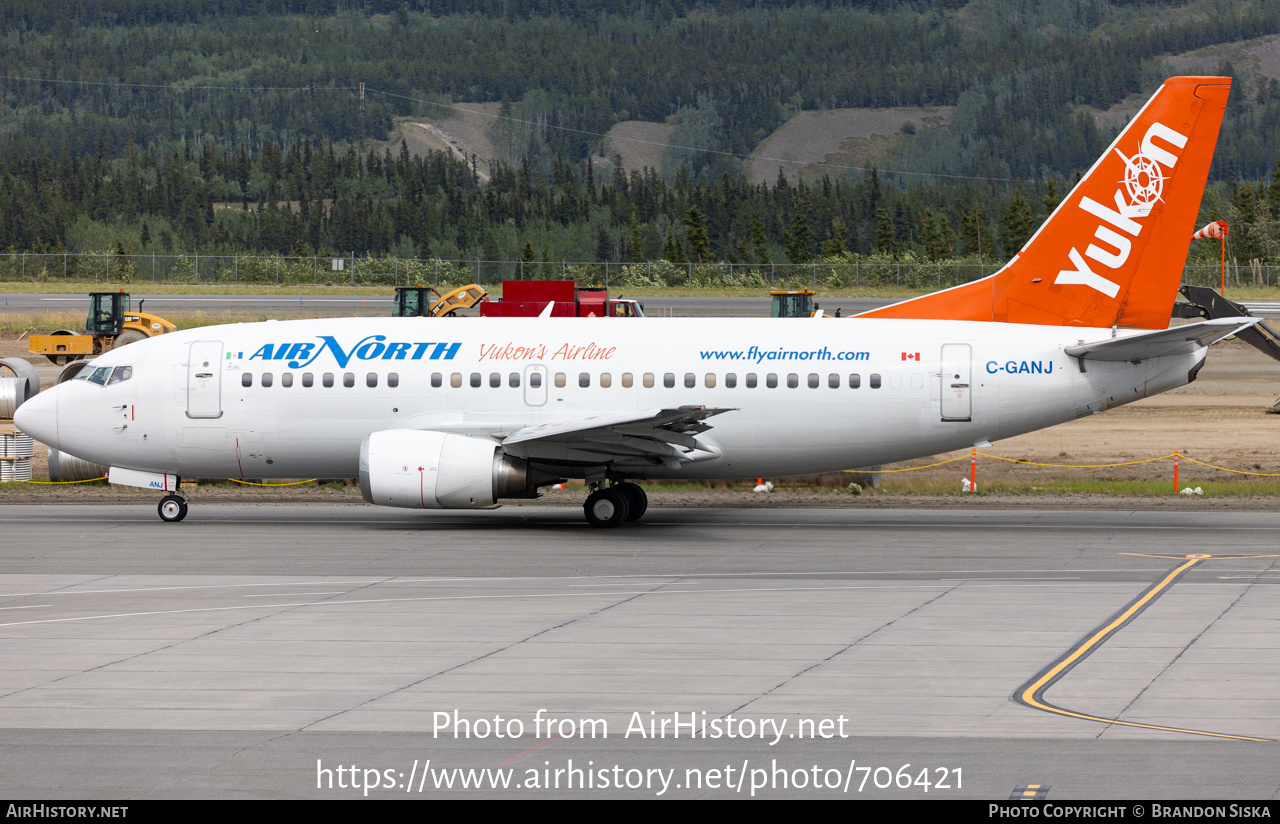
(666, 435)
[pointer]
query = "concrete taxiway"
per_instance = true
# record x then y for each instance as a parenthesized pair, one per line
(259, 650)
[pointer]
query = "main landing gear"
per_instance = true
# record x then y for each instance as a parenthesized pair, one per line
(611, 506)
(173, 508)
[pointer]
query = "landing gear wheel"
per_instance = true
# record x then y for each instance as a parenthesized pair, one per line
(606, 508)
(172, 509)
(637, 501)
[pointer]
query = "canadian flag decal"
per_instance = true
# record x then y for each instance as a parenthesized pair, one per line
(915, 356)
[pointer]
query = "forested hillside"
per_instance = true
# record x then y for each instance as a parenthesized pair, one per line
(136, 121)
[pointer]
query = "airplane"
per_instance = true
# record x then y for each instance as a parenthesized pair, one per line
(467, 413)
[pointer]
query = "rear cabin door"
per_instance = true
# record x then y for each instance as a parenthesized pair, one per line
(956, 385)
(204, 380)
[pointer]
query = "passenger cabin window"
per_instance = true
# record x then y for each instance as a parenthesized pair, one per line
(327, 379)
(393, 379)
(475, 379)
(669, 380)
(833, 381)
(626, 380)
(731, 380)
(455, 380)
(513, 380)
(286, 379)
(793, 380)
(371, 380)
(690, 380)
(875, 380)
(813, 380)
(751, 380)
(606, 380)
(348, 379)
(584, 379)
(437, 380)
(308, 379)
(535, 380)
(855, 380)
(710, 380)
(648, 380)
(561, 380)
(495, 380)
(266, 379)
(771, 380)
(246, 379)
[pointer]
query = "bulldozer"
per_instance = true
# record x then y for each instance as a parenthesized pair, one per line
(111, 324)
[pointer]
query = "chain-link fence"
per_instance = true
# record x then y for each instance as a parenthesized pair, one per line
(387, 272)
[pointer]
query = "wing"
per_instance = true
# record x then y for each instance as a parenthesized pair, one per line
(1179, 340)
(668, 436)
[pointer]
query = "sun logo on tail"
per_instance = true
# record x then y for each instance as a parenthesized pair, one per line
(1143, 180)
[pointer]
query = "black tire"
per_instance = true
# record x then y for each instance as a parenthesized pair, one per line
(172, 509)
(637, 500)
(606, 508)
(132, 336)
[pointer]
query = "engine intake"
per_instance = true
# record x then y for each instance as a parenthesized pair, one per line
(434, 470)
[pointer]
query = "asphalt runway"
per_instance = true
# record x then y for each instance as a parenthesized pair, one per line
(333, 652)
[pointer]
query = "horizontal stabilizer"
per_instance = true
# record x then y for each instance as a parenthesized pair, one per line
(1179, 340)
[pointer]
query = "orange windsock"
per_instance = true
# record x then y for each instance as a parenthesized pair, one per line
(1216, 230)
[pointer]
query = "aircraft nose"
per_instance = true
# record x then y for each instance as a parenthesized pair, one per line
(38, 417)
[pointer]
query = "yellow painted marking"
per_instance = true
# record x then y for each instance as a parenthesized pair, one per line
(1082, 649)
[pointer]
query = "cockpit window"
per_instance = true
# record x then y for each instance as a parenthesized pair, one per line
(121, 373)
(100, 375)
(83, 374)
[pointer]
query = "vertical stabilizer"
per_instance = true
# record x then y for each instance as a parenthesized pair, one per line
(1113, 251)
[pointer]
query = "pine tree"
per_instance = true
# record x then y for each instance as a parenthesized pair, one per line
(1051, 199)
(637, 250)
(675, 250)
(799, 240)
(759, 243)
(1017, 224)
(696, 234)
(976, 232)
(884, 233)
(934, 246)
(834, 246)
(604, 244)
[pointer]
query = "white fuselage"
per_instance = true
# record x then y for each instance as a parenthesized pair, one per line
(921, 387)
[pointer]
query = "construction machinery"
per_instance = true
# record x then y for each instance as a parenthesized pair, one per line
(520, 298)
(111, 324)
(425, 302)
(792, 304)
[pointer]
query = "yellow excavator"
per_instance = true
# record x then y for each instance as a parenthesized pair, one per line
(425, 302)
(111, 324)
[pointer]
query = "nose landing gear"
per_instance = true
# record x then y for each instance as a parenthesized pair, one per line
(173, 508)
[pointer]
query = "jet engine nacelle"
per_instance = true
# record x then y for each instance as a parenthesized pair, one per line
(435, 470)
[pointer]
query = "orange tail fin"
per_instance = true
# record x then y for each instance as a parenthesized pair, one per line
(1112, 253)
